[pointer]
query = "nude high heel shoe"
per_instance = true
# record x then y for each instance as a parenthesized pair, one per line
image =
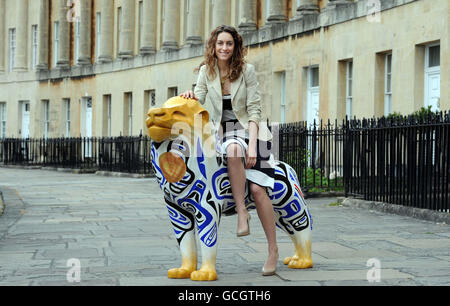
(270, 272)
(246, 231)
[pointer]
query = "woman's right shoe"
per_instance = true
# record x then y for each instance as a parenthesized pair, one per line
(245, 231)
(271, 271)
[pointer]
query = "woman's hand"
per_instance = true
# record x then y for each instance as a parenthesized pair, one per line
(189, 95)
(250, 156)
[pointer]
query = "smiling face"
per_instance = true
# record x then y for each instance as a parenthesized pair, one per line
(224, 46)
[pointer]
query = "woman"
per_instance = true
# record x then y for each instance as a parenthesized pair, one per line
(228, 84)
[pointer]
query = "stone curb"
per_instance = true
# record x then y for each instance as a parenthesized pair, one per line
(82, 171)
(122, 174)
(418, 213)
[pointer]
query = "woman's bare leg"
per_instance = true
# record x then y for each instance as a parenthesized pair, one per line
(236, 173)
(266, 216)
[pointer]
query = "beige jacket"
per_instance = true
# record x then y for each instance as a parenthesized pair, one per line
(245, 99)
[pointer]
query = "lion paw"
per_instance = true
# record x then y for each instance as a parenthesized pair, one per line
(296, 262)
(204, 275)
(179, 273)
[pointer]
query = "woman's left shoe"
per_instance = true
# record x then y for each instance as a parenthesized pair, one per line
(246, 231)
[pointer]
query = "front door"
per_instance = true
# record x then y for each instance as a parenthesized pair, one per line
(87, 127)
(432, 77)
(89, 117)
(25, 120)
(313, 98)
(433, 90)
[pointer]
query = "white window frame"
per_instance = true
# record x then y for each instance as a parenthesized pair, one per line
(387, 84)
(55, 42)
(3, 120)
(98, 34)
(349, 89)
(35, 39)
(12, 48)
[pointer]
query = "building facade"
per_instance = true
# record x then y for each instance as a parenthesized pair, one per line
(71, 68)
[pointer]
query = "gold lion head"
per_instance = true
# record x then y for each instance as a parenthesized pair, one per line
(176, 114)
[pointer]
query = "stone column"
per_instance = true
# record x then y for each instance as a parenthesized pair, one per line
(2, 35)
(148, 43)
(127, 32)
(107, 31)
(171, 24)
(63, 60)
(43, 35)
(194, 22)
(220, 13)
(20, 59)
(247, 15)
(84, 54)
(308, 7)
(277, 11)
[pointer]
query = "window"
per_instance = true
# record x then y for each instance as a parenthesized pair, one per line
(128, 114)
(172, 92)
(107, 115)
(98, 35)
(119, 28)
(12, 48)
(34, 55)
(46, 105)
(55, 43)
(152, 98)
(2, 120)
(282, 97)
(66, 108)
(141, 22)
(77, 39)
(388, 85)
(433, 56)
(349, 89)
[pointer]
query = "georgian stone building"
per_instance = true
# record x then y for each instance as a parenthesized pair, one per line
(94, 67)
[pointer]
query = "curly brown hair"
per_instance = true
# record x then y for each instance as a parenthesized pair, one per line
(237, 60)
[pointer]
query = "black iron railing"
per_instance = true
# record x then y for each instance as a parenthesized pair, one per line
(401, 160)
(315, 152)
(121, 154)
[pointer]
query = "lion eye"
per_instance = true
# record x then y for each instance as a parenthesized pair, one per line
(178, 114)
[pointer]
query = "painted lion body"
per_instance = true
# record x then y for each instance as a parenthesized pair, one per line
(197, 193)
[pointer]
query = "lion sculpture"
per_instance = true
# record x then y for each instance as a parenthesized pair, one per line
(197, 191)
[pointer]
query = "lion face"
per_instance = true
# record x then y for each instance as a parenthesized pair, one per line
(177, 113)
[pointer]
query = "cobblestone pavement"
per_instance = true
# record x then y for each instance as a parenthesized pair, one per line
(119, 230)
